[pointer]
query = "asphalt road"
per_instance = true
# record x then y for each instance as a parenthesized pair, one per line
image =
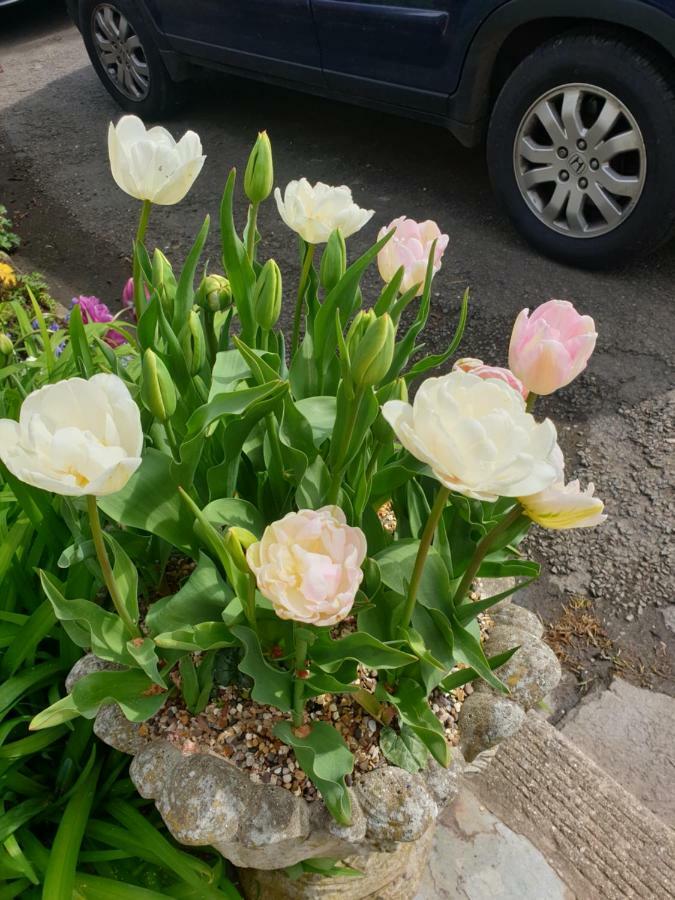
(615, 422)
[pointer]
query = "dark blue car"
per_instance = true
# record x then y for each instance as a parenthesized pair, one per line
(575, 99)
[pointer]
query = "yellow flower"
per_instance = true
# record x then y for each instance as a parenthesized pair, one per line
(7, 276)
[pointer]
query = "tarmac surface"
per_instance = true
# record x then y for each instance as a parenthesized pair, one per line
(605, 594)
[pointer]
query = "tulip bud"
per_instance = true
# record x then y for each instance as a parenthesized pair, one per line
(267, 295)
(237, 541)
(259, 175)
(157, 390)
(193, 343)
(333, 261)
(358, 328)
(214, 293)
(374, 352)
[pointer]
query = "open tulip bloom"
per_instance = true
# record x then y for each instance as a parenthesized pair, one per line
(329, 526)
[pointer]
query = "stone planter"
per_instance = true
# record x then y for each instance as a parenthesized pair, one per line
(204, 800)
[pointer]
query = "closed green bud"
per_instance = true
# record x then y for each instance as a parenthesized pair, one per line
(193, 343)
(358, 328)
(333, 261)
(6, 346)
(373, 352)
(237, 541)
(259, 175)
(158, 392)
(267, 296)
(214, 293)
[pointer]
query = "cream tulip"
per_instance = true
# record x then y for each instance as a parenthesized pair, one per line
(308, 565)
(316, 211)
(151, 165)
(75, 437)
(564, 506)
(476, 436)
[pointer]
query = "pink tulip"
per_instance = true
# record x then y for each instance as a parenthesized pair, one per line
(128, 296)
(410, 247)
(551, 347)
(478, 367)
(94, 310)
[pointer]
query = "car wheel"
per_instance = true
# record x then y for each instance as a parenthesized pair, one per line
(126, 58)
(579, 149)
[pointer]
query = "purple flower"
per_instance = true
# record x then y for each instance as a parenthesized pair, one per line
(94, 310)
(128, 296)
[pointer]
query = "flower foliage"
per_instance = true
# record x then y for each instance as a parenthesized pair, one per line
(268, 467)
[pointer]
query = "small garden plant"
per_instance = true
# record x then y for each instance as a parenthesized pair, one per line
(334, 496)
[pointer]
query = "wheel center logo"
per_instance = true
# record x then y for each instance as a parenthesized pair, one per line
(577, 164)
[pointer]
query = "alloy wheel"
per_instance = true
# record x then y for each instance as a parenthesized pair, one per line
(120, 51)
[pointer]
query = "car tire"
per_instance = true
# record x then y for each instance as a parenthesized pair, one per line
(126, 58)
(538, 126)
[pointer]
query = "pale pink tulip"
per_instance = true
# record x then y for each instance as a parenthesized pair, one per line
(410, 247)
(308, 565)
(478, 367)
(551, 347)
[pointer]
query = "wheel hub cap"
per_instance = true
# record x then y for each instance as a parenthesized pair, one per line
(580, 160)
(120, 51)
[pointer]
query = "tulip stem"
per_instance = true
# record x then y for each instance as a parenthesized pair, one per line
(300, 299)
(299, 666)
(486, 545)
(249, 609)
(531, 400)
(423, 552)
(345, 439)
(171, 440)
(137, 272)
(106, 569)
(251, 230)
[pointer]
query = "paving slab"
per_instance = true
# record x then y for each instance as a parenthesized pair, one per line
(598, 837)
(477, 857)
(630, 733)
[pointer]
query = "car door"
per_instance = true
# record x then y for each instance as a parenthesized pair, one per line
(275, 37)
(396, 51)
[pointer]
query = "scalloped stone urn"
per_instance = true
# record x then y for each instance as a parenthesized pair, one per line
(260, 828)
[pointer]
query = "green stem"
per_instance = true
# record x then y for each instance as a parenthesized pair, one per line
(423, 552)
(300, 299)
(171, 440)
(249, 610)
(485, 546)
(138, 279)
(250, 233)
(211, 338)
(531, 400)
(372, 462)
(106, 569)
(344, 442)
(299, 663)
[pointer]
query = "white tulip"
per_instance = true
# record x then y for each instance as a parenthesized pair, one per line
(75, 437)
(314, 212)
(150, 165)
(476, 437)
(308, 564)
(564, 506)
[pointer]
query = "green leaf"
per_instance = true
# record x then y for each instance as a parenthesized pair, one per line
(404, 749)
(233, 511)
(183, 300)
(27, 638)
(272, 686)
(509, 568)
(200, 637)
(236, 263)
(439, 359)
(126, 577)
(464, 676)
(102, 631)
(62, 711)
(150, 501)
(131, 689)
(414, 711)
(468, 610)
(314, 485)
(396, 564)
(324, 756)
(320, 413)
(27, 681)
(79, 343)
(142, 650)
(202, 598)
(76, 553)
(359, 646)
(468, 650)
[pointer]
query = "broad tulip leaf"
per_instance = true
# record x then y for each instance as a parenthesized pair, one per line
(320, 413)
(380, 617)
(396, 564)
(142, 650)
(359, 646)
(464, 676)
(236, 262)
(322, 683)
(404, 749)
(202, 598)
(233, 511)
(131, 689)
(509, 568)
(324, 756)
(62, 710)
(94, 628)
(150, 501)
(272, 686)
(414, 711)
(126, 577)
(468, 610)
(76, 553)
(314, 485)
(193, 638)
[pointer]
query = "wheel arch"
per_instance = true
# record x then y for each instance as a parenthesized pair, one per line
(518, 27)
